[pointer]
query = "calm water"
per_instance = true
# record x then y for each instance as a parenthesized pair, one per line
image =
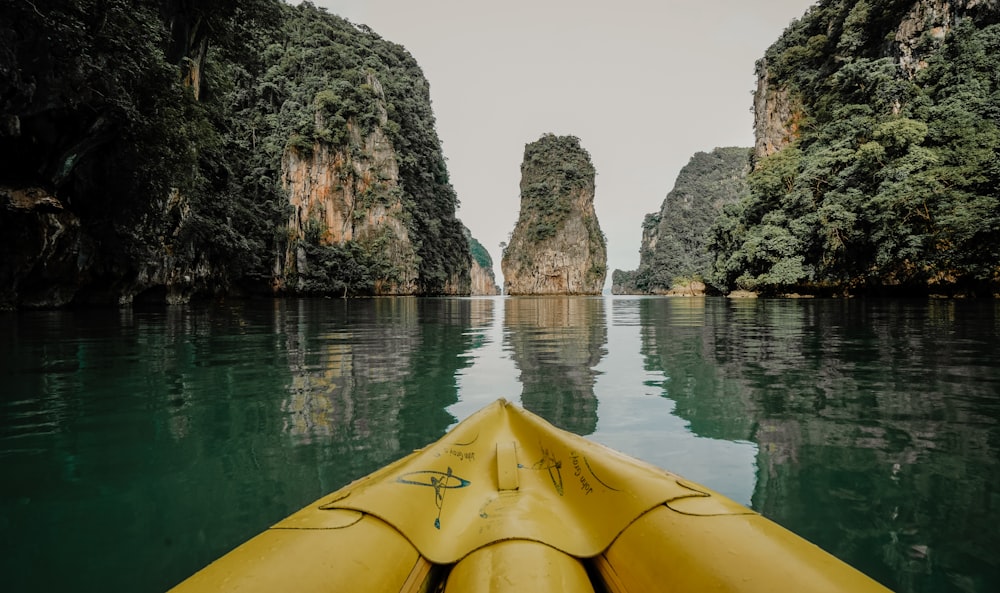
(138, 445)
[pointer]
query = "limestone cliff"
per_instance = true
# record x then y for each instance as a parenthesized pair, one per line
(777, 114)
(35, 227)
(674, 256)
(923, 29)
(557, 246)
(52, 258)
(371, 208)
(278, 150)
(347, 194)
(484, 283)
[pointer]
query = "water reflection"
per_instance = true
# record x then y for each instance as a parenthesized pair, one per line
(556, 342)
(346, 372)
(675, 340)
(876, 422)
(377, 375)
(637, 419)
(158, 439)
(137, 445)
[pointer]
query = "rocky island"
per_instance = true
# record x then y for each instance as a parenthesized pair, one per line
(557, 246)
(874, 169)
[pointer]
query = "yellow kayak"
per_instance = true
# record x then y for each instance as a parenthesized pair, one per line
(507, 502)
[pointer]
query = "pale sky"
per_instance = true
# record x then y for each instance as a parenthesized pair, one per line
(644, 84)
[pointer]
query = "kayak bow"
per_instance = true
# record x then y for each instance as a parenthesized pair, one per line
(507, 502)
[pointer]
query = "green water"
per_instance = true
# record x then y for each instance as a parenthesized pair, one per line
(138, 445)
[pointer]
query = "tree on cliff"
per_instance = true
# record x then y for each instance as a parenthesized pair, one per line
(891, 176)
(557, 246)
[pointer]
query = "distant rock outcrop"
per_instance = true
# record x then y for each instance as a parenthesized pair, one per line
(484, 282)
(557, 246)
(674, 256)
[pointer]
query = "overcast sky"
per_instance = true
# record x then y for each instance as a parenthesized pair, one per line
(644, 84)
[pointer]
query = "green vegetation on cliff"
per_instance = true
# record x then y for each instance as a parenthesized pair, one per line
(674, 248)
(892, 177)
(162, 125)
(553, 169)
(480, 254)
(322, 74)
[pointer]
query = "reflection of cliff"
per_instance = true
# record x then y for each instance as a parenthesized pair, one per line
(430, 383)
(345, 376)
(556, 342)
(877, 430)
(481, 313)
(203, 425)
(675, 334)
(376, 377)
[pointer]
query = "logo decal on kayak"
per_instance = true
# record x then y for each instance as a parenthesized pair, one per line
(549, 463)
(441, 482)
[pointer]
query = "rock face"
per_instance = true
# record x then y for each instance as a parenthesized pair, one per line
(933, 20)
(51, 259)
(557, 246)
(484, 283)
(674, 257)
(777, 113)
(350, 193)
(41, 243)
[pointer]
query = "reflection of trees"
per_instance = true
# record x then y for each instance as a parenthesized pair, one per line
(877, 423)
(556, 342)
(307, 395)
(160, 447)
(675, 341)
